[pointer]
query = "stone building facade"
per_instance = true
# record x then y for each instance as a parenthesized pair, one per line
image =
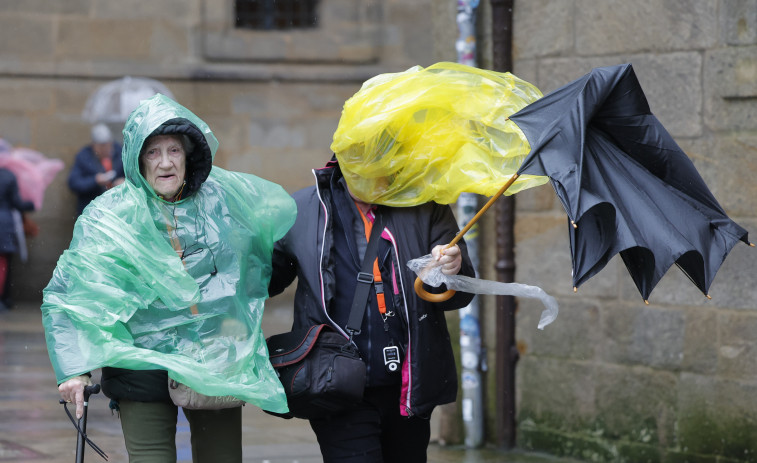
(273, 98)
(612, 379)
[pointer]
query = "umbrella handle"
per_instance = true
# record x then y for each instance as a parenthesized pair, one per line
(431, 297)
(441, 297)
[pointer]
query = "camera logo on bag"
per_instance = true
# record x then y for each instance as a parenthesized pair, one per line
(392, 359)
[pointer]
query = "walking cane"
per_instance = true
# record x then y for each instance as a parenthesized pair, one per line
(81, 427)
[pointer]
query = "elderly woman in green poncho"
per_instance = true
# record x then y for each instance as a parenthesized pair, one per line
(165, 277)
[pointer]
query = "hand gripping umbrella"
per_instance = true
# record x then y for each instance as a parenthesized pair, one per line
(625, 184)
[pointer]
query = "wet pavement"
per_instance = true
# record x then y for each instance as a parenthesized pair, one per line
(34, 427)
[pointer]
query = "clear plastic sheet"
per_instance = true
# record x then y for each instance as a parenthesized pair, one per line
(430, 272)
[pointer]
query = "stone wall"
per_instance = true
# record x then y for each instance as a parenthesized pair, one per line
(613, 379)
(273, 99)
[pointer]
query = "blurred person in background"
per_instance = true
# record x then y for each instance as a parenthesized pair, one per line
(97, 168)
(10, 200)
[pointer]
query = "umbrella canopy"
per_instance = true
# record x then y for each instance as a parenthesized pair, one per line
(115, 100)
(625, 184)
(33, 170)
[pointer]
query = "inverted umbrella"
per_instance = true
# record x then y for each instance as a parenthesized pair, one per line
(114, 101)
(625, 184)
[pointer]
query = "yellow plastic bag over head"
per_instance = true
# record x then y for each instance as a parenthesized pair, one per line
(430, 134)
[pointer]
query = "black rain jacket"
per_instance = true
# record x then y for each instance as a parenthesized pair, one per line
(429, 376)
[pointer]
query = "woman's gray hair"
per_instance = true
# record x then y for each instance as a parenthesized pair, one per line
(187, 143)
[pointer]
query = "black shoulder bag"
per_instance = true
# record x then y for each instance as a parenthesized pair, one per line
(321, 371)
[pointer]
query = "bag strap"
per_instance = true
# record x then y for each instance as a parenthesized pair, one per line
(364, 281)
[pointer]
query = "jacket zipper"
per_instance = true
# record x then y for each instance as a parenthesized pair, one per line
(320, 258)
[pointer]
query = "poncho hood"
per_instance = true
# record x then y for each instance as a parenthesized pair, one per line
(178, 286)
(164, 116)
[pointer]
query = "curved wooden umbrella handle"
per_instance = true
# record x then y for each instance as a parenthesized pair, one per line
(441, 297)
(431, 297)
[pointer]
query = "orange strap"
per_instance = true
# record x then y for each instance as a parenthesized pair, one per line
(107, 164)
(377, 283)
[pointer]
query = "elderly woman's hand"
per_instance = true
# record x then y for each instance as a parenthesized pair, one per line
(450, 258)
(73, 391)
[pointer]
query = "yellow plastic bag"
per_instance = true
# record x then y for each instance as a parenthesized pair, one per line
(430, 134)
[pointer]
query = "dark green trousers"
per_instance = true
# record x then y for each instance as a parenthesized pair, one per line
(150, 433)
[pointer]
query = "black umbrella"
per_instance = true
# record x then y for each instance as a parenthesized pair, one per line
(625, 184)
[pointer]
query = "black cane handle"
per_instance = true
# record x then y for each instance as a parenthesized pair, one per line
(81, 426)
(89, 390)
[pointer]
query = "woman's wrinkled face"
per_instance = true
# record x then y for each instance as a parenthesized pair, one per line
(164, 164)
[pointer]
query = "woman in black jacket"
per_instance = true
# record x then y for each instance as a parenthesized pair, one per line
(9, 201)
(324, 250)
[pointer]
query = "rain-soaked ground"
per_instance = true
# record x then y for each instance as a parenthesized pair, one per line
(35, 429)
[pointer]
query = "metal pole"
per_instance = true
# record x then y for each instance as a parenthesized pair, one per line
(471, 353)
(506, 351)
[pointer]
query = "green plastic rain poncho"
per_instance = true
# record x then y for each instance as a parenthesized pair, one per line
(122, 296)
(430, 134)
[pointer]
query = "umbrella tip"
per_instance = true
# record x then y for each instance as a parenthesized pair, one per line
(708, 296)
(574, 224)
(575, 289)
(646, 301)
(751, 244)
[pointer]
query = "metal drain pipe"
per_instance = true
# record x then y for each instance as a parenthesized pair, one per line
(505, 351)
